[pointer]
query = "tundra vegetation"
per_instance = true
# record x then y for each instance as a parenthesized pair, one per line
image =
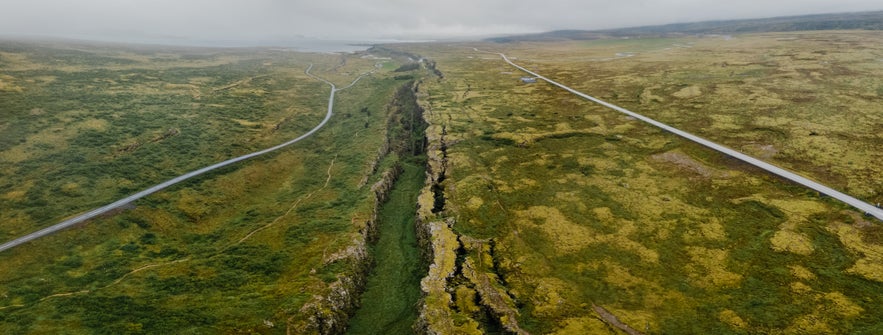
(266, 246)
(539, 212)
(550, 214)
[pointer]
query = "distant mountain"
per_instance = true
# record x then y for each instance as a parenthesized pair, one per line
(842, 21)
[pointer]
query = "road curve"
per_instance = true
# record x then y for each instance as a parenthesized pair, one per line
(156, 188)
(858, 204)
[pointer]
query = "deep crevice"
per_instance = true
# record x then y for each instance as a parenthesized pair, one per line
(438, 190)
(396, 251)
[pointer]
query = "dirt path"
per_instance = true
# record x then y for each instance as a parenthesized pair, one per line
(290, 209)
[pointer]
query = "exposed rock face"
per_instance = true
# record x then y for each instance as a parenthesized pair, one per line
(449, 270)
(442, 246)
(613, 320)
(438, 242)
(373, 165)
(330, 313)
(493, 294)
(436, 316)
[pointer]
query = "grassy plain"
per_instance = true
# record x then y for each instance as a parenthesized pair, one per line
(238, 251)
(567, 212)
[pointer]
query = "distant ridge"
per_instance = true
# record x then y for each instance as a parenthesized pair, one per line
(842, 21)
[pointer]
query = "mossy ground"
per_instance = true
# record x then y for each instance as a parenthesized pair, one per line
(561, 206)
(586, 206)
(238, 250)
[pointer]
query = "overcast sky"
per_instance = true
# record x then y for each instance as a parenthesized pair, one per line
(373, 19)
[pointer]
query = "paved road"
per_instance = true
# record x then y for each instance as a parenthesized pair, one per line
(858, 204)
(156, 188)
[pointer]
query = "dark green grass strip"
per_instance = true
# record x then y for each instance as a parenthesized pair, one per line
(389, 301)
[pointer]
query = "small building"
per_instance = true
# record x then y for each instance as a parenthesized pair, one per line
(528, 80)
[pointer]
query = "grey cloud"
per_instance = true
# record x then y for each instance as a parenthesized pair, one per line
(362, 19)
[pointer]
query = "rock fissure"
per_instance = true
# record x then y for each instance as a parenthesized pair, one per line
(462, 291)
(330, 313)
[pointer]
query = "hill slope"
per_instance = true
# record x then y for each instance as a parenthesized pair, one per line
(841, 21)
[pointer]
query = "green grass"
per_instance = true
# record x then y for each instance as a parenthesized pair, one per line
(559, 203)
(237, 250)
(389, 302)
(96, 132)
(586, 206)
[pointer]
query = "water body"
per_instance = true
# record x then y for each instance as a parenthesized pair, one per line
(300, 45)
(293, 44)
(389, 304)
